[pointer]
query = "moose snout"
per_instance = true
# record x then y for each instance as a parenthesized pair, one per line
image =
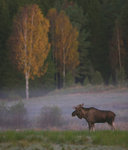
(73, 114)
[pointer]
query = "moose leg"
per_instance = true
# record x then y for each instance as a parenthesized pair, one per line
(91, 127)
(112, 125)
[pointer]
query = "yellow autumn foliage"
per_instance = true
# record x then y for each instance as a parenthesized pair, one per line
(66, 42)
(29, 40)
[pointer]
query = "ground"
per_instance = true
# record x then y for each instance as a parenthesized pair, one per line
(114, 99)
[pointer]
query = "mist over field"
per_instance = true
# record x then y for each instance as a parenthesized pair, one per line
(53, 111)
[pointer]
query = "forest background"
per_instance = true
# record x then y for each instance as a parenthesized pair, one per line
(102, 46)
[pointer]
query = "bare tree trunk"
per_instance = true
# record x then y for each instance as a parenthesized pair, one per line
(118, 45)
(27, 86)
(64, 75)
(63, 67)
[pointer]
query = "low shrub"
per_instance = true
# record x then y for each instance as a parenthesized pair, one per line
(14, 116)
(50, 117)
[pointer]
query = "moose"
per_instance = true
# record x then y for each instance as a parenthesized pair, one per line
(93, 115)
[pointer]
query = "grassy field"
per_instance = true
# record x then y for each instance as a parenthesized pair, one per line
(63, 140)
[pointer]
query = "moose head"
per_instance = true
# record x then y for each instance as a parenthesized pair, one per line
(78, 111)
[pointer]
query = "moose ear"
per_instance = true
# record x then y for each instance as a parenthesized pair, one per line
(81, 105)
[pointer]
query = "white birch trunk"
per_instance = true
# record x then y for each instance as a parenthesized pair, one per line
(27, 85)
(64, 68)
(26, 64)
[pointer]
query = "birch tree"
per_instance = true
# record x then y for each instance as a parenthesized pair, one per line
(66, 43)
(29, 42)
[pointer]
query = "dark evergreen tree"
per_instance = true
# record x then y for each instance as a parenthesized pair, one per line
(4, 32)
(124, 27)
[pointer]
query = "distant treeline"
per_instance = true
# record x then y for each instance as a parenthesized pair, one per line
(101, 30)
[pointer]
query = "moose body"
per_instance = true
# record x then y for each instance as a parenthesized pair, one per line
(93, 115)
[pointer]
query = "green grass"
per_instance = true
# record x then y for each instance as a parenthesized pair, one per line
(119, 138)
(46, 139)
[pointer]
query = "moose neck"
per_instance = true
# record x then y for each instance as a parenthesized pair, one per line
(84, 112)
